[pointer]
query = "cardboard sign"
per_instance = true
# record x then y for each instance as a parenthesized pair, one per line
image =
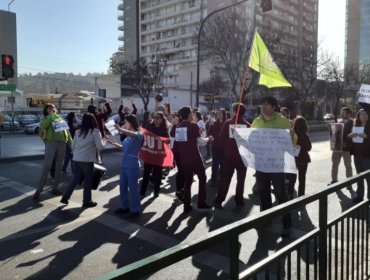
(336, 136)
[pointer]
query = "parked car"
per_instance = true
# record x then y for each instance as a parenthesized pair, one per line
(25, 119)
(7, 124)
(329, 117)
(33, 128)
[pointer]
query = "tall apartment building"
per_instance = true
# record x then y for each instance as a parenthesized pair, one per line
(357, 48)
(166, 30)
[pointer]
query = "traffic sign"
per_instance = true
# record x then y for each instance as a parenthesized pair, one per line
(7, 87)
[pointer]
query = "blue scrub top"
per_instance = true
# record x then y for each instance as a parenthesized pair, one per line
(131, 147)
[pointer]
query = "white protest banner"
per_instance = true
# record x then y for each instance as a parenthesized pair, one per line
(266, 149)
(110, 126)
(364, 94)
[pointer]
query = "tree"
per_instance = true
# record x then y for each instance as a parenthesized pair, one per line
(143, 75)
(213, 87)
(225, 42)
(338, 81)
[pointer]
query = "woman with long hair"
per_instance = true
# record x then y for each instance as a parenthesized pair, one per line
(130, 165)
(86, 146)
(360, 149)
(151, 171)
(300, 128)
(55, 134)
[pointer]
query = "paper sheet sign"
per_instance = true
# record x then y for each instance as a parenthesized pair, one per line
(110, 126)
(266, 150)
(364, 94)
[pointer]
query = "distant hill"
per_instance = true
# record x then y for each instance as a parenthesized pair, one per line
(56, 82)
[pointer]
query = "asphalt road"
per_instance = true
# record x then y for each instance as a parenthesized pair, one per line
(47, 240)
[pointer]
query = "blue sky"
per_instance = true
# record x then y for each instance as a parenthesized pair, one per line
(76, 36)
(79, 36)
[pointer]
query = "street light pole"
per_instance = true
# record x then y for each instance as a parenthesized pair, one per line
(10, 4)
(198, 48)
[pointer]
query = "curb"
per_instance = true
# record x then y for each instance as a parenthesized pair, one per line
(41, 156)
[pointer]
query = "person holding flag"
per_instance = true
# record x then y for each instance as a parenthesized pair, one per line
(232, 160)
(261, 61)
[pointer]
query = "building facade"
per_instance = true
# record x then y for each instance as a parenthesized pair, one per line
(167, 28)
(357, 48)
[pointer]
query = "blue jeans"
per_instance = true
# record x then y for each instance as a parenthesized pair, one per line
(361, 164)
(85, 171)
(129, 189)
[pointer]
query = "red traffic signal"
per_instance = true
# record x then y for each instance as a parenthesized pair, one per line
(7, 62)
(266, 5)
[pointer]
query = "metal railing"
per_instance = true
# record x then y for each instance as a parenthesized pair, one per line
(337, 249)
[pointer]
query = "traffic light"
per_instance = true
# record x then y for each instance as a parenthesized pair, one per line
(7, 62)
(266, 5)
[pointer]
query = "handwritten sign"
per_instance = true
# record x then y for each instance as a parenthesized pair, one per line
(364, 94)
(110, 126)
(266, 150)
(232, 127)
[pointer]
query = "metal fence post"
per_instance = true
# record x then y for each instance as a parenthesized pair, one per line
(234, 250)
(323, 240)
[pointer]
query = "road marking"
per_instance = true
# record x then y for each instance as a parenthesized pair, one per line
(30, 164)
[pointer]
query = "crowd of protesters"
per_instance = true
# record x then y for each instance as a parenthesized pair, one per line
(192, 139)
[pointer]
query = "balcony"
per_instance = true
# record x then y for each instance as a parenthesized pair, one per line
(121, 27)
(121, 48)
(121, 38)
(120, 17)
(120, 7)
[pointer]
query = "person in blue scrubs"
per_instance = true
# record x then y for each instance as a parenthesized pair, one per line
(130, 165)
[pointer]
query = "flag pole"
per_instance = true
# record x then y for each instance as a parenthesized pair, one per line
(244, 80)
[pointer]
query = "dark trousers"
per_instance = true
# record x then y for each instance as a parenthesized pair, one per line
(264, 182)
(208, 149)
(188, 172)
(217, 157)
(361, 164)
(153, 172)
(67, 157)
(227, 171)
(180, 180)
(292, 179)
(81, 170)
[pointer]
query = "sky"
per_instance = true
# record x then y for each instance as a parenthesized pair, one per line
(76, 36)
(332, 27)
(80, 36)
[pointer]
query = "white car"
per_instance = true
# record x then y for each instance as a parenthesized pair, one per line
(32, 128)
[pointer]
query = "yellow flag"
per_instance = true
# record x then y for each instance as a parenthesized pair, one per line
(262, 62)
